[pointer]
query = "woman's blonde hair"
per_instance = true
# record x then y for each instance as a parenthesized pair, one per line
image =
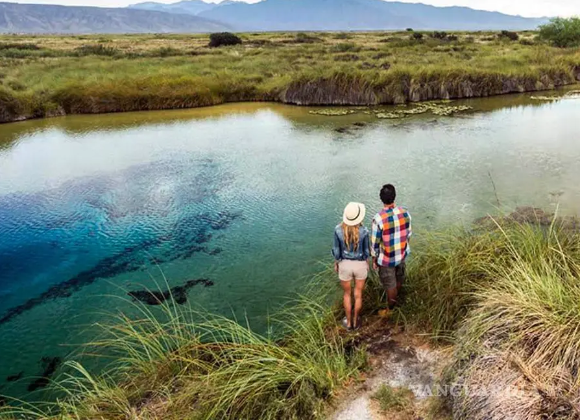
(351, 236)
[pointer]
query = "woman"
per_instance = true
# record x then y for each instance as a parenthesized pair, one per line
(351, 251)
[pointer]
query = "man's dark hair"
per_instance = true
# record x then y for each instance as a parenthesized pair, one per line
(388, 194)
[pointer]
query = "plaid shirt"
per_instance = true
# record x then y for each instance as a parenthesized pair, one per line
(390, 236)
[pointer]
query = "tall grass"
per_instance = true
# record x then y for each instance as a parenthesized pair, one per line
(192, 365)
(508, 296)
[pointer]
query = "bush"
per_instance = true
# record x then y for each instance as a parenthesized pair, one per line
(221, 39)
(439, 35)
(452, 38)
(417, 36)
(409, 29)
(561, 32)
(512, 36)
(303, 38)
(96, 50)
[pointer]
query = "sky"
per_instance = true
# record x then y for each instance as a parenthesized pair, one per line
(531, 8)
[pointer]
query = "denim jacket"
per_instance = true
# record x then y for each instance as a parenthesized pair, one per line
(340, 250)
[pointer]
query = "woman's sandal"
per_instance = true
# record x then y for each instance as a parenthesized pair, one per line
(345, 324)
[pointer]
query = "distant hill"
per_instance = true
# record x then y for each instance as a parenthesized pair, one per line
(189, 7)
(274, 15)
(36, 18)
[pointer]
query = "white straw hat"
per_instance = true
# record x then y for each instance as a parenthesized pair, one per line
(354, 214)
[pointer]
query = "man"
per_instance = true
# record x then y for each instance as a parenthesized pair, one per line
(390, 245)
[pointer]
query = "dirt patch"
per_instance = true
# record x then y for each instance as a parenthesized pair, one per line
(398, 360)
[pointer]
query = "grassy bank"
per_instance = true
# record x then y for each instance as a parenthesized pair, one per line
(505, 293)
(46, 76)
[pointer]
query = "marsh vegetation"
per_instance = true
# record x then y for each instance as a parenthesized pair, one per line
(55, 75)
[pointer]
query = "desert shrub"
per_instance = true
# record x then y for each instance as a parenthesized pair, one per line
(561, 32)
(166, 52)
(18, 46)
(439, 35)
(512, 36)
(452, 38)
(381, 55)
(304, 38)
(343, 35)
(260, 42)
(222, 39)
(393, 398)
(417, 36)
(98, 49)
(527, 41)
(345, 47)
(347, 57)
(409, 29)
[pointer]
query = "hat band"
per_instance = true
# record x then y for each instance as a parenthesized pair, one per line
(355, 217)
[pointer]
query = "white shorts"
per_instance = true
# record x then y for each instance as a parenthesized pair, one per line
(353, 270)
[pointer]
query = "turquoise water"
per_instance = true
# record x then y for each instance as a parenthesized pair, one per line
(244, 196)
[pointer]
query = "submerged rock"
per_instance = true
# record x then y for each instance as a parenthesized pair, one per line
(178, 293)
(14, 378)
(533, 216)
(50, 365)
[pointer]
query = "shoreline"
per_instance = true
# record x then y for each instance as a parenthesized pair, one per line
(321, 93)
(338, 90)
(295, 100)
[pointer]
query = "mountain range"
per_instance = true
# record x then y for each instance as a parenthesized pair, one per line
(37, 18)
(266, 15)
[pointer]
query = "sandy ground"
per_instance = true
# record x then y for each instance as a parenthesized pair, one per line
(399, 360)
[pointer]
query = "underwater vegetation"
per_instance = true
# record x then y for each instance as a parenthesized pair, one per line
(177, 294)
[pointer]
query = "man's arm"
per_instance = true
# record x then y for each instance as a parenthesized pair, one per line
(376, 238)
(409, 229)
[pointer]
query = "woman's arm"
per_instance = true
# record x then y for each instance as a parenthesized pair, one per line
(366, 245)
(336, 250)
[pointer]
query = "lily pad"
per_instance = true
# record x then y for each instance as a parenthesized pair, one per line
(333, 112)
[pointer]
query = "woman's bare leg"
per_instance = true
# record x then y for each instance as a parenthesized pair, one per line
(347, 301)
(358, 299)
